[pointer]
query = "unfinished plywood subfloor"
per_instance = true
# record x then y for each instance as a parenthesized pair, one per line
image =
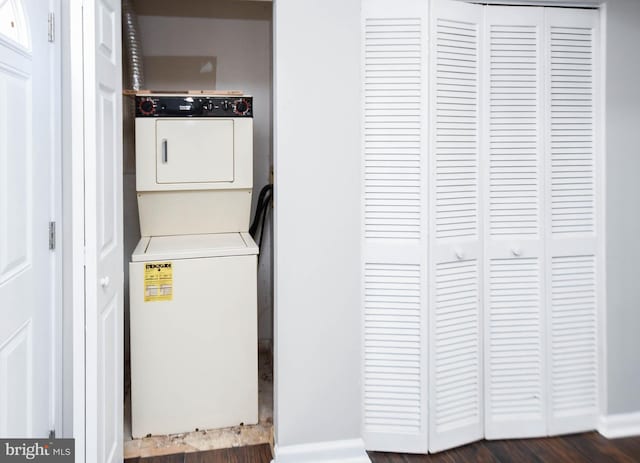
(237, 436)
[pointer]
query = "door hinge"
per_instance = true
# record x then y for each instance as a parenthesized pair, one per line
(52, 235)
(52, 434)
(52, 27)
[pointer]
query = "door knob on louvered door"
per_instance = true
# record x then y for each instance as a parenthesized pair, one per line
(104, 282)
(516, 252)
(459, 254)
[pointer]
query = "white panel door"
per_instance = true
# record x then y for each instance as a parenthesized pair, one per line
(103, 229)
(455, 263)
(515, 396)
(394, 234)
(573, 269)
(27, 149)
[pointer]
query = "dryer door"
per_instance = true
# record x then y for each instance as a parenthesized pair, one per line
(194, 151)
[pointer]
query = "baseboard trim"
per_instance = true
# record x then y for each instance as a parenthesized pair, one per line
(343, 451)
(620, 425)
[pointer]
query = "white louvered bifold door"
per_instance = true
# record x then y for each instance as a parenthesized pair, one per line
(572, 219)
(513, 166)
(395, 246)
(455, 262)
(481, 210)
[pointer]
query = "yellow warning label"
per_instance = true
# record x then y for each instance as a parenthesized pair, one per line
(158, 281)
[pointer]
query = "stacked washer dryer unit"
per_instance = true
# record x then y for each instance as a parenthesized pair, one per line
(193, 273)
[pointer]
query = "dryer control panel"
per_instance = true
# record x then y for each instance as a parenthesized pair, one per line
(193, 106)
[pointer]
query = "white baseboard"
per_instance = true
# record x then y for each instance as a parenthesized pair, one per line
(344, 451)
(620, 425)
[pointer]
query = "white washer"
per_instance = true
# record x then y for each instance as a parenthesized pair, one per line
(194, 352)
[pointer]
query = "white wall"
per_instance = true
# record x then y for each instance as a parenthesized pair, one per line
(239, 35)
(317, 213)
(623, 205)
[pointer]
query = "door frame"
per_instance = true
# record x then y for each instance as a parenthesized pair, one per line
(73, 238)
(601, 210)
(57, 356)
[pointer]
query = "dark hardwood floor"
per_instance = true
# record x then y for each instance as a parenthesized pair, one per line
(250, 454)
(578, 448)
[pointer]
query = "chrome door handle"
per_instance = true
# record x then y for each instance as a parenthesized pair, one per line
(165, 151)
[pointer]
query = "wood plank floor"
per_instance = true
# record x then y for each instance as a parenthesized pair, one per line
(249, 454)
(578, 448)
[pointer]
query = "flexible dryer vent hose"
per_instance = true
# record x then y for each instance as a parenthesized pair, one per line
(133, 48)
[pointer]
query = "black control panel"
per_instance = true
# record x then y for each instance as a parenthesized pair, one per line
(193, 106)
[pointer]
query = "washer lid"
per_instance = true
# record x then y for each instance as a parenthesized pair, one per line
(194, 246)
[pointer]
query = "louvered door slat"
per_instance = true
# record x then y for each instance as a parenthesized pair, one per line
(455, 318)
(392, 128)
(573, 337)
(515, 388)
(393, 360)
(514, 160)
(515, 349)
(394, 372)
(456, 136)
(571, 88)
(572, 267)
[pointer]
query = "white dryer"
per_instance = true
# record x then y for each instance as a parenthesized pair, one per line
(194, 163)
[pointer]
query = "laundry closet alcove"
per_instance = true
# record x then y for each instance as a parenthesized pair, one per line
(482, 196)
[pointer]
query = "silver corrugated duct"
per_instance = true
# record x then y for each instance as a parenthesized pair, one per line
(133, 48)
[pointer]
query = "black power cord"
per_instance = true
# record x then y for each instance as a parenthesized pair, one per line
(262, 208)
